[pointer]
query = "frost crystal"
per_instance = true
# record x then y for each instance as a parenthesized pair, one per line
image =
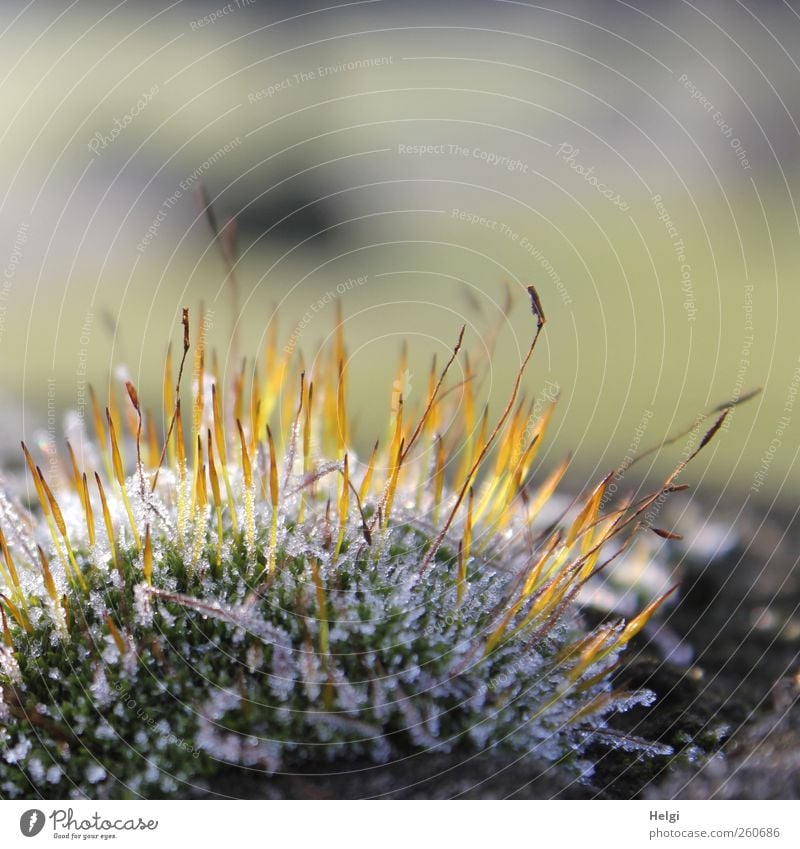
(264, 597)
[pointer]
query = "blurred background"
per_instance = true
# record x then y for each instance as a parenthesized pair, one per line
(637, 162)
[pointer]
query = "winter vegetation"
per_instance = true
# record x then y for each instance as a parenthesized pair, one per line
(221, 590)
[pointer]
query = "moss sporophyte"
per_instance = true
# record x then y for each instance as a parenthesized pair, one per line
(240, 593)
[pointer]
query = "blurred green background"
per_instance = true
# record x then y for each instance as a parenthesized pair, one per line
(637, 162)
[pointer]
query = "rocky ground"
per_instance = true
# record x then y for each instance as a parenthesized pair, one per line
(732, 714)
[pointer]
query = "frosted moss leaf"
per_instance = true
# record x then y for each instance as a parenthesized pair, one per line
(247, 594)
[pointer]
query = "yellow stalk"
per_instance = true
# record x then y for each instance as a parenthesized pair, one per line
(100, 432)
(168, 393)
(271, 347)
(32, 469)
(638, 622)
(76, 477)
(6, 632)
(504, 454)
(589, 653)
(107, 521)
(197, 462)
(17, 592)
(536, 441)
(340, 354)
(517, 472)
(201, 501)
(274, 372)
(212, 474)
(180, 459)
(58, 518)
(153, 453)
(546, 603)
(507, 449)
(286, 412)
(392, 486)
(496, 635)
(45, 505)
(19, 616)
(219, 434)
(113, 406)
(199, 375)
(487, 444)
(398, 433)
(546, 490)
(532, 580)
(527, 588)
(397, 383)
(247, 473)
(180, 446)
(341, 413)
(119, 640)
(87, 509)
(363, 490)
(469, 422)
(255, 407)
(238, 393)
(475, 448)
(344, 507)
(132, 414)
(13, 577)
(329, 418)
(197, 418)
(587, 516)
(601, 533)
(119, 473)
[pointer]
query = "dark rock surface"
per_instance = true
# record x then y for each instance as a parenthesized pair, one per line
(732, 716)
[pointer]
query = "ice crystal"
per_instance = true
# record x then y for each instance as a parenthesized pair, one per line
(275, 602)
